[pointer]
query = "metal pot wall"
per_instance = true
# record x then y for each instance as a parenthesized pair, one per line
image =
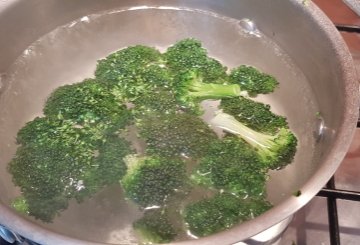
(301, 31)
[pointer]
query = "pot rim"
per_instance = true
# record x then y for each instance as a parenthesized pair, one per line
(284, 209)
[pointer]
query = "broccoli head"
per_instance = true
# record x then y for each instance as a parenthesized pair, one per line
(87, 102)
(155, 227)
(58, 160)
(275, 151)
(108, 166)
(232, 165)
(126, 62)
(188, 54)
(20, 204)
(221, 212)
(180, 135)
(133, 72)
(254, 115)
(161, 101)
(45, 174)
(150, 180)
(80, 141)
(45, 208)
(252, 80)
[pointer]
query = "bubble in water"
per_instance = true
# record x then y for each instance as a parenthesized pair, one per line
(249, 27)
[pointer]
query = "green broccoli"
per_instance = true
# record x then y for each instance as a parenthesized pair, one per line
(133, 72)
(188, 54)
(45, 174)
(275, 151)
(46, 208)
(150, 180)
(57, 161)
(82, 141)
(180, 135)
(78, 148)
(87, 102)
(108, 166)
(20, 204)
(161, 101)
(221, 212)
(254, 115)
(126, 62)
(252, 80)
(191, 89)
(155, 227)
(232, 165)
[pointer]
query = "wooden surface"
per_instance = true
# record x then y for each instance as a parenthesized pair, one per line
(338, 12)
(341, 14)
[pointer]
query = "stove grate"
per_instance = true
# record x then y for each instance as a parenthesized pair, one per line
(330, 191)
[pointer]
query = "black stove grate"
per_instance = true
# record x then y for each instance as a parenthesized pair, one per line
(330, 191)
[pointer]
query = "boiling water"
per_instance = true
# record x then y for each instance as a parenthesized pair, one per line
(69, 54)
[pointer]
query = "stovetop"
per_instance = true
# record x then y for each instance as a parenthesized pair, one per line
(331, 218)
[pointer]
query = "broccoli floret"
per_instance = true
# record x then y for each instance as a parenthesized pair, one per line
(181, 135)
(82, 141)
(191, 89)
(20, 204)
(275, 151)
(155, 227)
(133, 72)
(45, 175)
(254, 115)
(188, 54)
(108, 167)
(161, 101)
(87, 102)
(46, 208)
(150, 180)
(252, 80)
(232, 165)
(58, 161)
(221, 212)
(126, 62)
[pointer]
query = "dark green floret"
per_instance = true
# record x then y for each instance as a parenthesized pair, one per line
(133, 72)
(88, 102)
(126, 62)
(232, 165)
(179, 135)
(108, 165)
(155, 227)
(188, 54)
(66, 134)
(252, 80)
(161, 101)
(58, 161)
(221, 212)
(275, 151)
(150, 181)
(44, 175)
(254, 115)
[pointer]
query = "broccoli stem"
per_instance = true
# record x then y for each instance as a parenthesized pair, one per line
(231, 125)
(214, 91)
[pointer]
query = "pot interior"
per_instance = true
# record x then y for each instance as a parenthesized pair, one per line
(69, 53)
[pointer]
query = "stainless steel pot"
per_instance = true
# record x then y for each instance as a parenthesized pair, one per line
(322, 80)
